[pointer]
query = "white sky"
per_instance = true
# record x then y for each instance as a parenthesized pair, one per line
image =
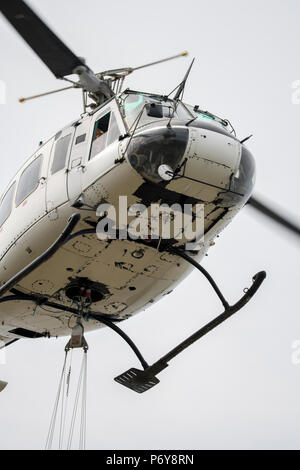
(236, 388)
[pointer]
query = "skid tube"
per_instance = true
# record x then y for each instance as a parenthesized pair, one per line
(142, 380)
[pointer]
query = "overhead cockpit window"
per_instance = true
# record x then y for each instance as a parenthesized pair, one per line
(29, 180)
(60, 154)
(106, 131)
(208, 121)
(140, 109)
(133, 103)
(6, 204)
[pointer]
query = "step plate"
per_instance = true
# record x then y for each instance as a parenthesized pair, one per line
(137, 380)
(2, 385)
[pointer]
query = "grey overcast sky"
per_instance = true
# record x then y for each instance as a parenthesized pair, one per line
(238, 387)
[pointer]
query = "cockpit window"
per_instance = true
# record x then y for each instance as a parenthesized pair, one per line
(100, 135)
(106, 131)
(114, 130)
(140, 109)
(205, 116)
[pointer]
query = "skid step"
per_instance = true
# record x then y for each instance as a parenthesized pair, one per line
(138, 380)
(2, 385)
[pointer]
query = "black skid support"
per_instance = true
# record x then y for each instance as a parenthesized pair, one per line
(131, 344)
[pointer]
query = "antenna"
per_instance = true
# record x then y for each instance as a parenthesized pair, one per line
(181, 85)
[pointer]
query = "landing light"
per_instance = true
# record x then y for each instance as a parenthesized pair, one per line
(165, 172)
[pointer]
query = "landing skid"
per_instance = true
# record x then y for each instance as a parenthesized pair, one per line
(142, 380)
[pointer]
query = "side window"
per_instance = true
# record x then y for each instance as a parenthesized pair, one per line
(114, 131)
(60, 154)
(100, 135)
(29, 180)
(6, 204)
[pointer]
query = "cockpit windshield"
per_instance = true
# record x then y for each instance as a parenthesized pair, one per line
(206, 116)
(141, 109)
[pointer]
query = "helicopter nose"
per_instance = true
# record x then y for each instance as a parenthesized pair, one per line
(156, 153)
(207, 165)
(218, 168)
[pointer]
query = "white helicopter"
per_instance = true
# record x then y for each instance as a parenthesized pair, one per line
(149, 148)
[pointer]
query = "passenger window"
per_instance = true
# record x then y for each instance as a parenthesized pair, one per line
(6, 204)
(29, 180)
(60, 154)
(100, 135)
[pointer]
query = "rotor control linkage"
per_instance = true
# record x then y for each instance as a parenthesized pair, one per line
(142, 380)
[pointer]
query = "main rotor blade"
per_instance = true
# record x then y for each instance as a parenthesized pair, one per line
(128, 70)
(160, 61)
(51, 50)
(272, 214)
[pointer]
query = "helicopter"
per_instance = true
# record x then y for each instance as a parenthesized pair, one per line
(150, 148)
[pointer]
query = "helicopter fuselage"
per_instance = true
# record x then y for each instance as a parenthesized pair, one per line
(141, 146)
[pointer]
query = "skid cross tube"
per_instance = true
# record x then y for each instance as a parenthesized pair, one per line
(198, 266)
(123, 335)
(100, 317)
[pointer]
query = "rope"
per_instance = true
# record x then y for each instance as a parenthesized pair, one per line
(50, 435)
(64, 406)
(82, 439)
(62, 400)
(81, 384)
(62, 415)
(84, 303)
